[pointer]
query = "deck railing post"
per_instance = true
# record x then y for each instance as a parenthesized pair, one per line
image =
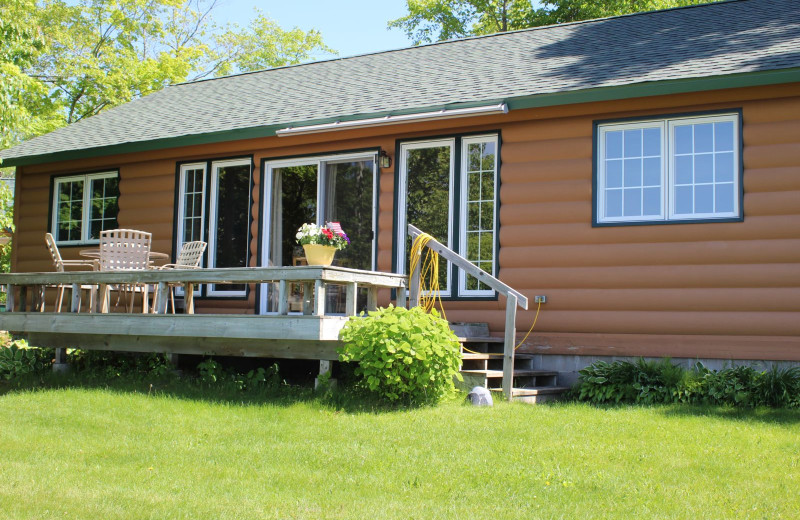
(23, 298)
(510, 341)
(307, 298)
(76, 299)
(372, 297)
(188, 298)
(10, 298)
(319, 298)
(414, 296)
(283, 298)
(351, 300)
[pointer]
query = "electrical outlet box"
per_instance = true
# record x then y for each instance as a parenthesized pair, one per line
(540, 299)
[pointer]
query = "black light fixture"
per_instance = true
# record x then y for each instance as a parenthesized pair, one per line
(384, 160)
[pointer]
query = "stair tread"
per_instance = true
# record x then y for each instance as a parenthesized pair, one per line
(537, 390)
(480, 339)
(519, 372)
(493, 355)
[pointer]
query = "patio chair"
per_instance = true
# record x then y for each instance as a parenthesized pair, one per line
(189, 258)
(125, 250)
(60, 265)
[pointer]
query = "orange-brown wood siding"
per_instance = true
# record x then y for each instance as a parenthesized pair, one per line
(729, 290)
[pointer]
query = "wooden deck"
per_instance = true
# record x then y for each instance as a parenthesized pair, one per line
(310, 335)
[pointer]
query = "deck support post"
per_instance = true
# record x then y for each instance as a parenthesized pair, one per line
(60, 364)
(508, 350)
(325, 367)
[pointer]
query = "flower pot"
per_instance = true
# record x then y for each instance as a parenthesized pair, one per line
(319, 255)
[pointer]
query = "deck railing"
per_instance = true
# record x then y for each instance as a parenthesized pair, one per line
(24, 286)
(513, 299)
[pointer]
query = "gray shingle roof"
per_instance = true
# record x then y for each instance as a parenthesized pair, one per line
(736, 37)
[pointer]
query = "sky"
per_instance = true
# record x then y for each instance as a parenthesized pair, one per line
(350, 27)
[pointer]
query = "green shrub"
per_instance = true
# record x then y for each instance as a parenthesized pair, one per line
(602, 382)
(18, 359)
(403, 354)
(213, 373)
(111, 365)
(652, 382)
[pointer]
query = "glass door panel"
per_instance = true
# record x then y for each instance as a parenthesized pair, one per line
(293, 203)
(348, 199)
(231, 222)
(427, 174)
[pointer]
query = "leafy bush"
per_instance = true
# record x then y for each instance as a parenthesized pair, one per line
(403, 354)
(651, 382)
(113, 365)
(213, 373)
(18, 359)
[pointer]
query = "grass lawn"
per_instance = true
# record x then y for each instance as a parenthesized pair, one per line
(78, 452)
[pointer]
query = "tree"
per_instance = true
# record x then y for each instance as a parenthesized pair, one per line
(96, 54)
(432, 20)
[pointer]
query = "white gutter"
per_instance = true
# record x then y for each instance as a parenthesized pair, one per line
(501, 108)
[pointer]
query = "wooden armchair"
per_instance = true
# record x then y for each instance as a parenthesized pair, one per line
(124, 250)
(189, 258)
(60, 265)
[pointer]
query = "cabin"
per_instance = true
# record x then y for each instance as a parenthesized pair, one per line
(637, 175)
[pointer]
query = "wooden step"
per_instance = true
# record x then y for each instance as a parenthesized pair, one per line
(480, 339)
(517, 373)
(536, 394)
(493, 355)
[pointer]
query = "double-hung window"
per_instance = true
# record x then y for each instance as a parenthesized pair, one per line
(83, 206)
(669, 169)
(448, 188)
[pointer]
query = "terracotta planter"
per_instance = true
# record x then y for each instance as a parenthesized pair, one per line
(319, 255)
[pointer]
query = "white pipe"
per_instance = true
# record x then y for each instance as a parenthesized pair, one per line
(501, 108)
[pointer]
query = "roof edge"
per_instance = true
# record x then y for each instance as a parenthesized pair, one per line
(629, 91)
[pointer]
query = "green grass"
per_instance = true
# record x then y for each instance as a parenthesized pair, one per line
(81, 452)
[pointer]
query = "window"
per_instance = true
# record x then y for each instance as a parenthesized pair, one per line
(448, 188)
(191, 204)
(84, 205)
(667, 170)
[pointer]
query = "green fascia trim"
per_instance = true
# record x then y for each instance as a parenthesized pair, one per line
(656, 88)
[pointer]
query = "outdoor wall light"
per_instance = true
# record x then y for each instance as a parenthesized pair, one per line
(384, 160)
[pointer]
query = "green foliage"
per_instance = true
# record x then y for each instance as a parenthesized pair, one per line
(18, 360)
(652, 382)
(64, 60)
(107, 365)
(431, 20)
(212, 373)
(403, 354)
(6, 223)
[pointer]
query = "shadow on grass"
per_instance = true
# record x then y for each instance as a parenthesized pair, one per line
(783, 416)
(346, 399)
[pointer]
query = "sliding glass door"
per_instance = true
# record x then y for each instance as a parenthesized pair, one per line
(317, 189)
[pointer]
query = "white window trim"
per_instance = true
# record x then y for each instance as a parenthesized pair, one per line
(212, 217)
(318, 161)
(182, 202)
(402, 189)
(85, 215)
(667, 125)
(462, 276)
